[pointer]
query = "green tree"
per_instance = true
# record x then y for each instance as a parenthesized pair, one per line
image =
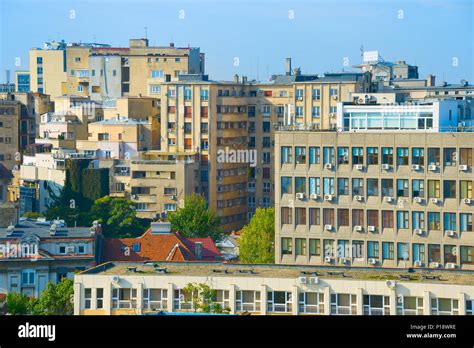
(56, 299)
(256, 242)
(195, 219)
(203, 298)
(18, 303)
(117, 217)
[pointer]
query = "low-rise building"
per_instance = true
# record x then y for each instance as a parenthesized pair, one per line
(120, 288)
(35, 253)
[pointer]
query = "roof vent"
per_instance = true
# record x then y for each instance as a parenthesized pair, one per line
(10, 229)
(53, 229)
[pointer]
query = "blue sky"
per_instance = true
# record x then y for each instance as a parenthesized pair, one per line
(433, 34)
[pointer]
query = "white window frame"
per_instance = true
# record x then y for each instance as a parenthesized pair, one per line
(305, 308)
(241, 306)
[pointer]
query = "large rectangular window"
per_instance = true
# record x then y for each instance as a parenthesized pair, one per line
(387, 219)
(387, 250)
(387, 155)
(300, 246)
(124, 298)
(372, 156)
(314, 155)
(434, 156)
(328, 216)
(343, 217)
(449, 189)
(465, 222)
(357, 155)
(342, 155)
(286, 246)
(342, 186)
(465, 189)
(329, 155)
(418, 188)
(328, 186)
(449, 221)
(434, 221)
(286, 185)
(418, 156)
(434, 189)
(403, 189)
(357, 187)
(300, 184)
(343, 304)
(300, 216)
(465, 157)
(372, 187)
(402, 156)
(449, 157)
(314, 217)
(387, 188)
(286, 155)
(300, 154)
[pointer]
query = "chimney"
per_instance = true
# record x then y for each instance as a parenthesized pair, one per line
(198, 250)
(236, 78)
(430, 80)
(288, 66)
(244, 79)
(171, 44)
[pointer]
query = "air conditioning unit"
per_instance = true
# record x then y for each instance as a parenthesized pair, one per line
(388, 199)
(433, 167)
(450, 233)
(115, 279)
(415, 167)
(391, 284)
(434, 200)
(418, 199)
(372, 261)
(173, 198)
(359, 198)
(302, 280)
(328, 259)
(359, 166)
(134, 196)
(313, 280)
(385, 166)
(435, 264)
(450, 265)
(371, 228)
(418, 231)
(328, 198)
(328, 166)
(418, 263)
(328, 227)
(334, 97)
(467, 201)
(300, 195)
(358, 228)
(463, 167)
(313, 196)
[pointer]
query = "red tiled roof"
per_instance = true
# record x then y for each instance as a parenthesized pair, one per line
(158, 247)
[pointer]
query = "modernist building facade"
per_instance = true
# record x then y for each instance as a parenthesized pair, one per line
(382, 198)
(121, 288)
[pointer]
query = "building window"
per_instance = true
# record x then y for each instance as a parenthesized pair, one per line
(387, 155)
(286, 218)
(387, 219)
(465, 222)
(418, 220)
(449, 157)
(286, 155)
(286, 184)
(466, 255)
(342, 186)
(449, 221)
(357, 155)
(465, 189)
(402, 156)
(387, 250)
(155, 299)
(314, 186)
(387, 188)
(449, 189)
(247, 301)
(182, 300)
(376, 305)
(372, 187)
(315, 111)
(372, 155)
(314, 155)
(300, 246)
(155, 89)
(204, 94)
(407, 305)
(279, 301)
(311, 302)
(156, 73)
(403, 189)
(329, 155)
(402, 220)
(342, 155)
(418, 156)
(357, 187)
(418, 188)
(328, 186)
(314, 217)
(343, 217)
(343, 304)
(300, 155)
(373, 250)
(328, 216)
(87, 298)
(444, 306)
(434, 253)
(99, 298)
(27, 277)
(316, 93)
(300, 216)
(286, 246)
(465, 157)
(434, 156)
(314, 247)
(434, 189)
(434, 221)
(124, 298)
(300, 184)
(402, 251)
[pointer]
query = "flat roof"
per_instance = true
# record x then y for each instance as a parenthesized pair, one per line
(207, 269)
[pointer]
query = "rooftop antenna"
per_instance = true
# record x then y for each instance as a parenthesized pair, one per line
(361, 53)
(146, 32)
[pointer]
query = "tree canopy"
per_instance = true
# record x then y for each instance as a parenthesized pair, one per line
(256, 242)
(195, 219)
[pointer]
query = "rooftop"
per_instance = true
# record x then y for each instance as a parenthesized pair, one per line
(208, 269)
(26, 228)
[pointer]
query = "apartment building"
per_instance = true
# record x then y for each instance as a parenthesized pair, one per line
(399, 196)
(22, 81)
(33, 253)
(216, 118)
(48, 69)
(137, 288)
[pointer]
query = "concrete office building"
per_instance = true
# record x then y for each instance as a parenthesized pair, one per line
(137, 288)
(398, 197)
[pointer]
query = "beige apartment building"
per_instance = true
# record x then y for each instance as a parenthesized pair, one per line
(374, 198)
(133, 288)
(213, 117)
